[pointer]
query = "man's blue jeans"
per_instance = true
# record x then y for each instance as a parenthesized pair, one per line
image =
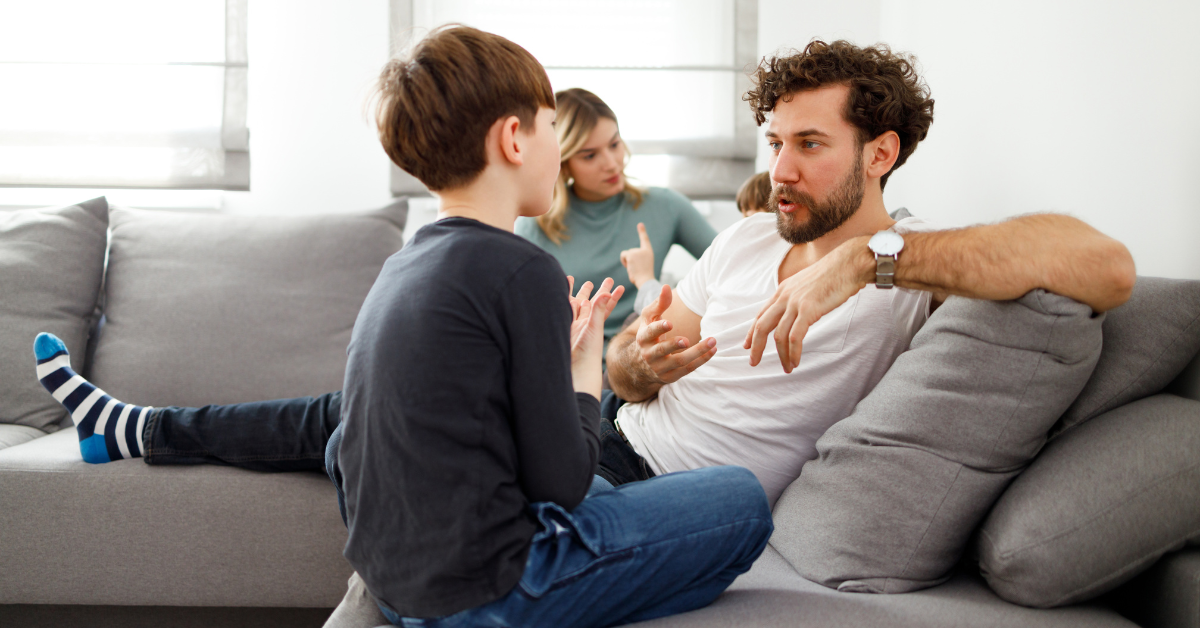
(646, 549)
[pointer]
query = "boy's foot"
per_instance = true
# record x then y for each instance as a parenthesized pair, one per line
(108, 429)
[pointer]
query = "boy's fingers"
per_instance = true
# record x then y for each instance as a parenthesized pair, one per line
(570, 285)
(585, 291)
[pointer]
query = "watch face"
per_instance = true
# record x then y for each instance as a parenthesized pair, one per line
(886, 243)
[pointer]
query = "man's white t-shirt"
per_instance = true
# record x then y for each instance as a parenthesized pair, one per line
(727, 412)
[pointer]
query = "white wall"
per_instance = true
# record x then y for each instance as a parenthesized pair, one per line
(312, 64)
(1086, 108)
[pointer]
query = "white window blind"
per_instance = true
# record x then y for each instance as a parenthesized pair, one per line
(673, 71)
(124, 94)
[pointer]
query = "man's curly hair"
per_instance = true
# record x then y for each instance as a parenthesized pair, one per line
(886, 94)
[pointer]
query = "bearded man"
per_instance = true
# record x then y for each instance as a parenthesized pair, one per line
(842, 285)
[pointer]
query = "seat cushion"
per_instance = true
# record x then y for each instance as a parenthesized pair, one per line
(773, 595)
(204, 308)
(51, 268)
(13, 435)
(890, 502)
(1147, 342)
(126, 533)
(1100, 504)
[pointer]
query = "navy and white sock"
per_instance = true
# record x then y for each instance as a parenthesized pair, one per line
(108, 429)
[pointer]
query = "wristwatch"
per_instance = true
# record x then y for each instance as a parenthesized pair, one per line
(886, 246)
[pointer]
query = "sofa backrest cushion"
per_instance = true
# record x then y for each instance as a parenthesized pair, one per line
(1147, 342)
(215, 308)
(51, 268)
(1100, 504)
(889, 504)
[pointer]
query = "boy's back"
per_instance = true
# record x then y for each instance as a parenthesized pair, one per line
(458, 367)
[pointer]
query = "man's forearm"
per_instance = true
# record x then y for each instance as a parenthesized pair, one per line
(1058, 253)
(629, 376)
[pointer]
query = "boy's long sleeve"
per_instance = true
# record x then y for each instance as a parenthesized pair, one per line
(558, 455)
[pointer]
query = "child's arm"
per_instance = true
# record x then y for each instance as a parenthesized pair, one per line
(555, 429)
(587, 333)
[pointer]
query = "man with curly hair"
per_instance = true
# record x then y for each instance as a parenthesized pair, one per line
(842, 285)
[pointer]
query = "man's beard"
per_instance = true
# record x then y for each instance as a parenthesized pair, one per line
(822, 217)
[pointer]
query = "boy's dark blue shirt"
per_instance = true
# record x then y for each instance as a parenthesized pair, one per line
(459, 411)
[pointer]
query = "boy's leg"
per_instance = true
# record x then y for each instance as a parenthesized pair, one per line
(279, 435)
(647, 549)
(283, 435)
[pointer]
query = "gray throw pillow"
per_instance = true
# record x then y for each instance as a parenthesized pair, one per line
(1147, 342)
(889, 504)
(1100, 504)
(213, 308)
(51, 268)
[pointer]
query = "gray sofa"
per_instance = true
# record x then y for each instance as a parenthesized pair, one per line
(184, 309)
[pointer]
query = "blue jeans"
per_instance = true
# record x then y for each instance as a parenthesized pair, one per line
(642, 550)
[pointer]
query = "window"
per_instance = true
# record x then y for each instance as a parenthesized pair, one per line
(124, 93)
(673, 71)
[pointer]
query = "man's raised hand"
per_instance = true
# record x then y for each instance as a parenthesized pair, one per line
(669, 359)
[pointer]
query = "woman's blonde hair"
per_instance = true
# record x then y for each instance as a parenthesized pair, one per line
(578, 112)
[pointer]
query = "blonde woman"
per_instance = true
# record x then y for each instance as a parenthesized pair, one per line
(599, 225)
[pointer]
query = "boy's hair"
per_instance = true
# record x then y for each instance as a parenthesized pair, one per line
(886, 94)
(435, 106)
(755, 193)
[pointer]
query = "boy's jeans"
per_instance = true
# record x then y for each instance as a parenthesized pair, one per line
(646, 549)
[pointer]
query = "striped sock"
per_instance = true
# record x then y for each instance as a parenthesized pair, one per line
(108, 429)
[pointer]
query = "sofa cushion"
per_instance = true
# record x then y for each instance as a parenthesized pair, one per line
(1147, 342)
(129, 533)
(204, 308)
(773, 595)
(897, 487)
(1100, 504)
(51, 268)
(13, 435)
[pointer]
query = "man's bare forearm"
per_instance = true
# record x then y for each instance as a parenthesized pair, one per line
(1058, 253)
(628, 374)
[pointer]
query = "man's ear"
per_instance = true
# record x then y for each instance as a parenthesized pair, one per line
(880, 154)
(509, 144)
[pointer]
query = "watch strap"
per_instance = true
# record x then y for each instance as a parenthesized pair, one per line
(885, 271)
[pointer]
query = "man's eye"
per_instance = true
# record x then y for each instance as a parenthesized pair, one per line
(811, 144)
(774, 145)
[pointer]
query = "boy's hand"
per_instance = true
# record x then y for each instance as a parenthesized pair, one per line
(639, 262)
(587, 324)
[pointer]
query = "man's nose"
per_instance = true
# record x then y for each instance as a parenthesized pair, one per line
(784, 169)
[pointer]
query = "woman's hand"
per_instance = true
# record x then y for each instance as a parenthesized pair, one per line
(587, 331)
(639, 262)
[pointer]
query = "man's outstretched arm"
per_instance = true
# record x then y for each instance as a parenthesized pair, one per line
(643, 357)
(1003, 261)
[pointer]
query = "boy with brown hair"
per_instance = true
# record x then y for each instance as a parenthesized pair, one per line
(471, 419)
